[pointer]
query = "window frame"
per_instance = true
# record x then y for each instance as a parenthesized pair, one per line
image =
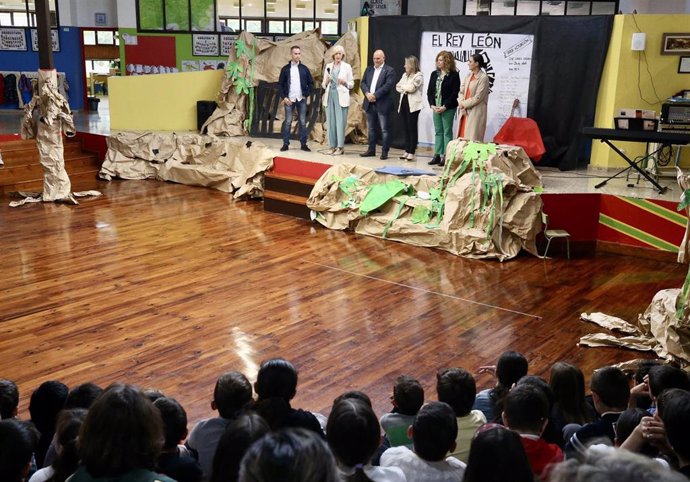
(265, 19)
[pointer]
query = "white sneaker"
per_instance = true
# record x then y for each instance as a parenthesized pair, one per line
(411, 157)
(331, 151)
(339, 151)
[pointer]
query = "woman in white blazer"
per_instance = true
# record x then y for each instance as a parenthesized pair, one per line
(410, 89)
(337, 79)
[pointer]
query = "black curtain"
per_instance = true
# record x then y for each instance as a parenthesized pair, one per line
(567, 62)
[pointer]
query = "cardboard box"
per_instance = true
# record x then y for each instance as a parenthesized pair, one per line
(633, 124)
(636, 114)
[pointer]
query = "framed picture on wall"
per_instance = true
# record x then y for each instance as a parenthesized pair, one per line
(205, 44)
(54, 37)
(675, 44)
(684, 65)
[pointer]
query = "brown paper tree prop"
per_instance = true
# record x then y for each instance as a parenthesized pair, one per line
(54, 118)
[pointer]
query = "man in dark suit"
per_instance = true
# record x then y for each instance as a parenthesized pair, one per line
(378, 85)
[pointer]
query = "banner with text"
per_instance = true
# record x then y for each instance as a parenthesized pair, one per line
(508, 62)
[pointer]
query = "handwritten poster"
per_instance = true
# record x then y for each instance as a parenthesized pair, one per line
(227, 42)
(205, 45)
(12, 39)
(54, 36)
(508, 58)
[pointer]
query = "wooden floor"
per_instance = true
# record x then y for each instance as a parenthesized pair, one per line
(167, 286)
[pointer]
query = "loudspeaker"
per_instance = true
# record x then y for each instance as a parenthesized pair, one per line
(204, 109)
(639, 41)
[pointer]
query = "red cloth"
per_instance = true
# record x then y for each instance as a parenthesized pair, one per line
(523, 132)
(541, 454)
(461, 129)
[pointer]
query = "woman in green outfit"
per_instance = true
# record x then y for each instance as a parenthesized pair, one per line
(442, 94)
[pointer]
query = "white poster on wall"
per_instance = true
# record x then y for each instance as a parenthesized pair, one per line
(54, 36)
(227, 42)
(205, 45)
(12, 39)
(508, 58)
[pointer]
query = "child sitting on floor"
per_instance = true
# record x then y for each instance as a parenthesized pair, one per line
(231, 394)
(407, 399)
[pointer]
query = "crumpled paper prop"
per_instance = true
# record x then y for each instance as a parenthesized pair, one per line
(256, 59)
(230, 165)
(483, 206)
(664, 327)
(54, 118)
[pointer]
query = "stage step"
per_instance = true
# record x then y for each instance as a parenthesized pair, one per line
(22, 170)
(287, 194)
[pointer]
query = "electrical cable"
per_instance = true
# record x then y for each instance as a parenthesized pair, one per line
(639, 73)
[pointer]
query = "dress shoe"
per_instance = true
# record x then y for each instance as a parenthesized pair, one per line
(436, 160)
(384, 155)
(339, 151)
(443, 162)
(284, 148)
(305, 148)
(411, 157)
(368, 154)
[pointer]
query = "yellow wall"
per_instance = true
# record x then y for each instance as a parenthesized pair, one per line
(619, 83)
(363, 38)
(164, 102)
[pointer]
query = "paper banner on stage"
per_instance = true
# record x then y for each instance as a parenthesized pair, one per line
(508, 58)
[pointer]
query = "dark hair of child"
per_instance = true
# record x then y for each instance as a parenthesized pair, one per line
(457, 388)
(239, 435)
(231, 393)
(174, 420)
(353, 433)
(123, 431)
(611, 386)
(511, 366)
(408, 395)
(289, 455)
(83, 396)
(568, 386)
(9, 399)
(497, 455)
(67, 431)
(17, 441)
(434, 431)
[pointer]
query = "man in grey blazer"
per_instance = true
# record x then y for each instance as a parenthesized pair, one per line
(378, 85)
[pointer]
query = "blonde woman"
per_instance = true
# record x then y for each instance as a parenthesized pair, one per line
(338, 81)
(410, 89)
(442, 95)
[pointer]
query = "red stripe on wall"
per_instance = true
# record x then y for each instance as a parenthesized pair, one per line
(613, 236)
(645, 221)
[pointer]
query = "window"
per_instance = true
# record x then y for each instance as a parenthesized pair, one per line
(543, 7)
(101, 37)
(277, 17)
(22, 13)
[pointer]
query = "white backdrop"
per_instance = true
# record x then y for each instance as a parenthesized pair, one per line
(508, 58)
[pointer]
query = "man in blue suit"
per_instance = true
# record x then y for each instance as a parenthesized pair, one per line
(378, 85)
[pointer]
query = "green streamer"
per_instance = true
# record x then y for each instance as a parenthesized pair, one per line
(401, 205)
(685, 200)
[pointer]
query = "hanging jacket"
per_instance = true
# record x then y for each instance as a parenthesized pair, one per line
(11, 89)
(25, 89)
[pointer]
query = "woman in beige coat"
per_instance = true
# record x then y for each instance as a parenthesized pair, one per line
(337, 80)
(473, 100)
(410, 89)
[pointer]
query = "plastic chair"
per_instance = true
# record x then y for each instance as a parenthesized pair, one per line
(550, 234)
